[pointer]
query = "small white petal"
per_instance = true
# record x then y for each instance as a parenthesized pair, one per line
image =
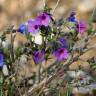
(5, 44)
(80, 73)
(38, 39)
(72, 74)
(5, 70)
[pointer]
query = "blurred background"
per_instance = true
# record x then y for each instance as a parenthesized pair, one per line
(18, 11)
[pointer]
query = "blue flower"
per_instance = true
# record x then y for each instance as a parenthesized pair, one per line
(1, 59)
(63, 42)
(72, 17)
(22, 28)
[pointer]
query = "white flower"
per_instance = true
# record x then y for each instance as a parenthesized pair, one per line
(72, 74)
(75, 74)
(38, 39)
(5, 43)
(5, 70)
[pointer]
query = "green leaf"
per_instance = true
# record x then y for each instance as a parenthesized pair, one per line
(6, 51)
(60, 22)
(1, 86)
(11, 90)
(46, 8)
(68, 91)
(90, 28)
(29, 37)
(18, 51)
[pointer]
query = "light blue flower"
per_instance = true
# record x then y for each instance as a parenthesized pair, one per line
(22, 28)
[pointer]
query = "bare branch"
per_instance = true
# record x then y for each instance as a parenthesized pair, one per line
(55, 6)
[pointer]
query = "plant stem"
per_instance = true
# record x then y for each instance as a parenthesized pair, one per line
(55, 6)
(38, 74)
(11, 49)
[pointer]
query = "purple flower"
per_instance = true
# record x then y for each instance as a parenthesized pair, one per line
(33, 26)
(81, 27)
(1, 59)
(72, 17)
(61, 54)
(22, 28)
(39, 56)
(44, 18)
(63, 42)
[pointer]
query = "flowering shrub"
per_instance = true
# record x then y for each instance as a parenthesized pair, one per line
(59, 39)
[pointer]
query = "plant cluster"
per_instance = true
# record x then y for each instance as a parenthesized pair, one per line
(59, 39)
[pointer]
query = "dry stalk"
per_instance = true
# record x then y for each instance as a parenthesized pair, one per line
(55, 6)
